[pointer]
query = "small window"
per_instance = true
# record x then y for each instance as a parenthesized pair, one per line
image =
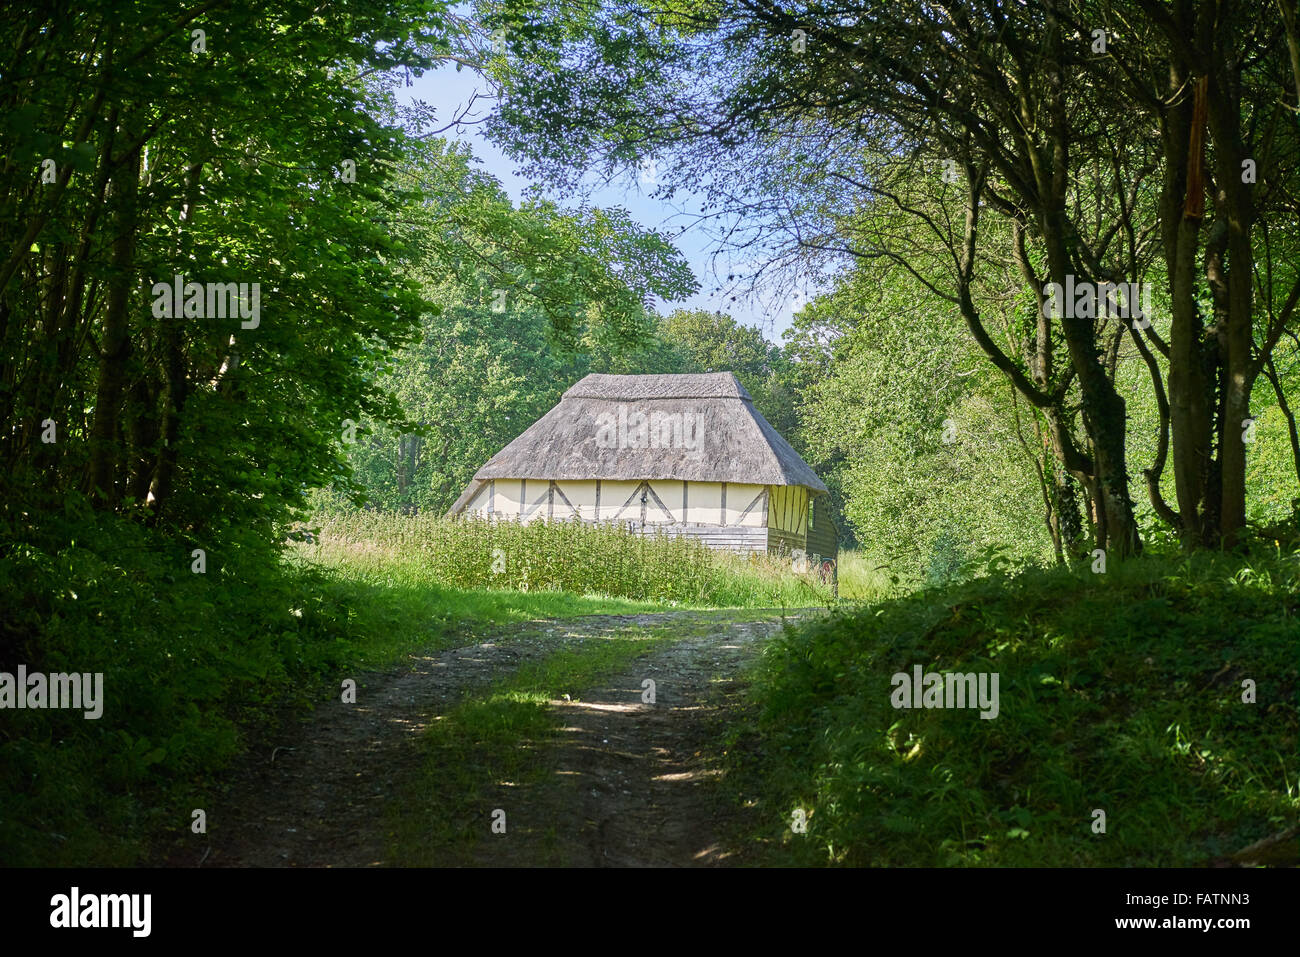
(811, 512)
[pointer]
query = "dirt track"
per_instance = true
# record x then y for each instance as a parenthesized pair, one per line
(625, 783)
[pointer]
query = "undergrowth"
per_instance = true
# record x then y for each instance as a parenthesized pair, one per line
(1122, 693)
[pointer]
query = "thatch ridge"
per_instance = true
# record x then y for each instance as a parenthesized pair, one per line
(636, 388)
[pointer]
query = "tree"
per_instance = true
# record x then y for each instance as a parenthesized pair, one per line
(1040, 123)
(715, 342)
(939, 461)
(144, 154)
(526, 300)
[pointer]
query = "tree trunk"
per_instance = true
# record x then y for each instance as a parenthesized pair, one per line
(175, 368)
(115, 344)
(1189, 413)
(1103, 408)
(1236, 331)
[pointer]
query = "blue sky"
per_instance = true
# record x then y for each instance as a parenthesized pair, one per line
(448, 90)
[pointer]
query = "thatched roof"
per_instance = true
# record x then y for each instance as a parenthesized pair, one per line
(592, 434)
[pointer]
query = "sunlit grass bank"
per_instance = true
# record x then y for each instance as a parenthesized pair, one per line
(540, 557)
(1158, 699)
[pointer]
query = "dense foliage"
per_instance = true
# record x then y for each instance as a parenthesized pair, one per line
(240, 285)
(156, 446)
(1018, 160)
(1121, 692)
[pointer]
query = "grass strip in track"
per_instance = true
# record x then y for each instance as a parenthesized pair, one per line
(493, 737)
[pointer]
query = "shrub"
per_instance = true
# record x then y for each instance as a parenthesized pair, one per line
(1121, 692)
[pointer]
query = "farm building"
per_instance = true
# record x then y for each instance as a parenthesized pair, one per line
(687, 454)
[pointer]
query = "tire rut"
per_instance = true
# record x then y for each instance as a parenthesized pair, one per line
(631, 783)
(634, 776)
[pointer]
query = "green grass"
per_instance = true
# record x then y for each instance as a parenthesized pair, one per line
(196, 668)
(593, 560)
(861, 579)
(200, 666)
(1120, 692)
(394, 601)
(492, 739)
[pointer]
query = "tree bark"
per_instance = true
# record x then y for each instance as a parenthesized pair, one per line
(1236, 331)
(1189, 414)
(176, 382)
(115, 344)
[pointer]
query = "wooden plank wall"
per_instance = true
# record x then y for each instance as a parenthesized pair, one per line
(733, 538)
(823, 538)
(783, 542)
